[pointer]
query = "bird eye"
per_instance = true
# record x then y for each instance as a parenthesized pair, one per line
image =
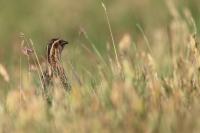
(60, 41)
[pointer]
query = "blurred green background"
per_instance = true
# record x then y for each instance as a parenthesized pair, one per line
(43, 20)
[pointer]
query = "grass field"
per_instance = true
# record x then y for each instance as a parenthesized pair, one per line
(134, 66)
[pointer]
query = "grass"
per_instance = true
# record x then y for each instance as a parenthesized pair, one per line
(155, 89)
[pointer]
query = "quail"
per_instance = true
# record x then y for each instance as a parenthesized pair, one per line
(54, 68)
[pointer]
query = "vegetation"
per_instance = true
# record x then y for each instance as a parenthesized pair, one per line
(130, 70)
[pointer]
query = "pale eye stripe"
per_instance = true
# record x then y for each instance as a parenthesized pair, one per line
(51, 50)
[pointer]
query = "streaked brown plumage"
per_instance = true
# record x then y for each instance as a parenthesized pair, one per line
(54, 66)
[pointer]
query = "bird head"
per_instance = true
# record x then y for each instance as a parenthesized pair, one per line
(55, 46)
(56, 42)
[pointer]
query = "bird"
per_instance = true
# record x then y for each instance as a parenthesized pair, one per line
(54, 68)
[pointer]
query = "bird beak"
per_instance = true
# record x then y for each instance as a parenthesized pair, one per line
(64, 42)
